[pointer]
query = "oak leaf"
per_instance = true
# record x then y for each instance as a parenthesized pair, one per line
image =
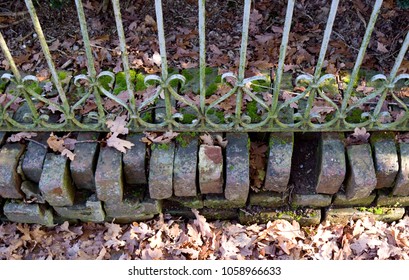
(21, 135)
(119, 144)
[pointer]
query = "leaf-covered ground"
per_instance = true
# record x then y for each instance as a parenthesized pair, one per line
(169, 238)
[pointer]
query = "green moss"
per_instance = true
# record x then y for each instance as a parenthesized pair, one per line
(147, 117)
(183, 138)
(251, 110)
(62, 75)
(261, 86)
(373, 210)
(354, 116)
(218, 114)
(193, 80)
(162, 146)
(120, 81)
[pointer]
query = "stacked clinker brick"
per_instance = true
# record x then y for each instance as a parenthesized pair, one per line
(102, 184)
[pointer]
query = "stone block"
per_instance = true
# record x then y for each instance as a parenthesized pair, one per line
(341, 200)
(210, 169)
(55, 182)
(311, 200)
(32, 192)
(219, 214)
(237, 167)
(279, 162)
(331, 165)
(344, 215)
(402, 180)
(83, 166)
(28, 213)
(362, 179)
(86, 210)
(185, 167)
(305, 217)
(34, 158)
(161, 171)
(385, 199)
(134, 161)
(385, 158)
(10, 180)
(132, 210)
(268, 199)
(215, 201)
(109, 182)
(194, 202)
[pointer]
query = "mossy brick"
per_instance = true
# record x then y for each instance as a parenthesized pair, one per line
(10, 180)
(185, 167)
(33, 213)
(134, 161)
(311, 200)
(401, 187)
(109, 183)
(161, 171)
(210, 169)
(362, 179)
(219, 214)
(341, 200)
(195, 202)
(332, 163)
(268, 199)
(34, 157)
(385, 158)
(279, 162)
(55, 182)
(132, 210)
(86, 210)
(178, 213)
(218, 201)
(385, 199)
(344, 215)
(32, 192)
(305, 217)
(237, 167)
(83, 166)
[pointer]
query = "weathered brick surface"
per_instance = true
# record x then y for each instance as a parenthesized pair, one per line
(331, 166)
(161, 171)
(311, 200)
(237, 167)
(108, 176)
(32, 192)
(388, 200)
(279, 162)
(185, 167)
(28, 213)
(362, 179)
(345, 215)
(134, 161)
(385, 158)
(268, 199)
(83, 167)
(131, 210)
(305, 217)
(210, 169)
(402, 180)
(218, 201)
(86, 210)
(34, 158)
(341, 200)
(55, 182)
(219, 214)
(10, 180)
(194, 202)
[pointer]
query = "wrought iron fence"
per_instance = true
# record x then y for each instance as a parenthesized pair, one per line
(276, 115)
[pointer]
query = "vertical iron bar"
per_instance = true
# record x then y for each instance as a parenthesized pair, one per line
(85, 37)
(283, 50)
(124, 54)
(202, 60)
(326, 38)
(361, 54)
(244, 39)
(400, 58)
(47, 55)
(161, 38)
(9, 58)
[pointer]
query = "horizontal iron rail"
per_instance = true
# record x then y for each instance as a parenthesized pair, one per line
(279, 115)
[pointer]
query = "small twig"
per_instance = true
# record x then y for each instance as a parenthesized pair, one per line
(99, 47)
(13, 23)
(13, 14)
(36, 142)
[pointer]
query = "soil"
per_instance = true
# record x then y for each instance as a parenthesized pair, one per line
(223, 34)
